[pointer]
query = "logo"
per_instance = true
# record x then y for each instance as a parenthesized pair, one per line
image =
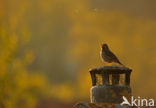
(137, 102)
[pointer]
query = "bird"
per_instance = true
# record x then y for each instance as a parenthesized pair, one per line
(107, 55)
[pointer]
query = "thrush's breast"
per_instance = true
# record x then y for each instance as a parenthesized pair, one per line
(105, 56)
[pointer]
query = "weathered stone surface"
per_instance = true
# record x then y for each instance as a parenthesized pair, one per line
(110, 69)
(107, 71)
(109, 93)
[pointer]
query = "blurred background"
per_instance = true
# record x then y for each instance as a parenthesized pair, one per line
(48, 46)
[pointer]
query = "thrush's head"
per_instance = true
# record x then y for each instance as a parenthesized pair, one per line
(104, 46)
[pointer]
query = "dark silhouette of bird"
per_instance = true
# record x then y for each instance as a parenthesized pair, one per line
(108, 56)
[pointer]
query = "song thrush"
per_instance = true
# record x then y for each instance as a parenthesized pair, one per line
(108, 56)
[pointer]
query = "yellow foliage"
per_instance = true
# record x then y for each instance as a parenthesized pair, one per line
(20, 88)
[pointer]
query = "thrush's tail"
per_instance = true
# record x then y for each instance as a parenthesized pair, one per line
(121, 64)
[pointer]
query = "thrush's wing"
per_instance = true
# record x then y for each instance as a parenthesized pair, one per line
(113, 57)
